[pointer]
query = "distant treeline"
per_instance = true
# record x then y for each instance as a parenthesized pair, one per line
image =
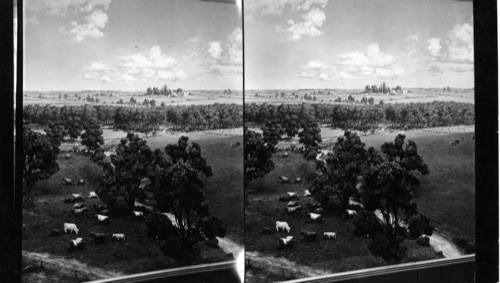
(368, 117)
(146, 120)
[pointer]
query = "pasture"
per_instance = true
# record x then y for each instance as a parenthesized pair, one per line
(446, 196)
(223, 190)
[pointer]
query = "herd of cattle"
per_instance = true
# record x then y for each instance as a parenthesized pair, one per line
(102, 218)
(456, 142)
(313, 216)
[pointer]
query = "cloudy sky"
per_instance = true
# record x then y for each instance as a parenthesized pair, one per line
(132, 44)
(293, 44)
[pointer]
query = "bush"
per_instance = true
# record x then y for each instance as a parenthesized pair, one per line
(418, 225)
(423, 241)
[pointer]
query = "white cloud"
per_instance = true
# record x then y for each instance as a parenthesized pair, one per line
(315, 65)
(106, 79)
(310, 26)
(214, 49)
(276, 7)
(323, 77)
(307, 75)
(235, 45)
(153, 60)
(60, 7)
(92, 28)
(461, 43)
(373, 63)
(434, 46)
(152, 65)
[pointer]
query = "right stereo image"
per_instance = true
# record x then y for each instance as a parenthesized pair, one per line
(359, 141)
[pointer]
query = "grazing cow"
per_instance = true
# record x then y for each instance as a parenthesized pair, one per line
(99, 238)
(138, 214)
(283, 226)
(318, 210)
(315, 217)
(285, 155)
(285, 242)
(79, 211)
(307, 193)
(102, 218)
(77, 197)
(350, 211)
(330, 235)
(267, 231)
(67, 181)
(309, 236)
(55, 233)
(297, 180)
(293, 209)
(292, 194)
(76, 244)
(118, 237)
(78, 205)
(68, 199)
(81, 182)
(71, 228)
(292, 204)
(313, 205)
(92, 194)
(104, 212)
(283, 179)
(454, 143)
(67, 156)
(473, 137)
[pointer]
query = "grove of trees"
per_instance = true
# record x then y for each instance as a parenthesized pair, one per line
(385, 184)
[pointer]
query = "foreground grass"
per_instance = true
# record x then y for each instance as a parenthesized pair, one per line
(348, 252)
(51, 213)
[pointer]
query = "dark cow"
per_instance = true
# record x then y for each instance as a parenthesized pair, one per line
(313, 205)
(309, 236)
(68, 199)
(288, 197)
(318, 210)
(267, 231)
(284, 180)
(454, 143)
(67, 181)
(55, 233)
(99, 238)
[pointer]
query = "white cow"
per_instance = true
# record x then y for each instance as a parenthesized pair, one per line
(329, 235)
(291, 194)
(284, 242)
(71, 228)
(350, 211)
(315, 217)
(77, 196)
(293, 209)
(79, 211)
(283, 226)
(118, 237)
(138, 213)
(102, 218)
(92, 194)
(78, 205)
(307, 193)
(292, 204)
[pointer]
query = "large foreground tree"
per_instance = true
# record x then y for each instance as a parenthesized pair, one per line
(40, 157)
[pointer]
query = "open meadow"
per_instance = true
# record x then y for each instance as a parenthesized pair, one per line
(446, 196)
(224, 191)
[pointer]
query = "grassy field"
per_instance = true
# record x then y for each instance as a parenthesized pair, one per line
(446, 196)
(223, 190)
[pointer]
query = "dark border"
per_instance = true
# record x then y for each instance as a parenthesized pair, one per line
(486, 112)
(10, 238)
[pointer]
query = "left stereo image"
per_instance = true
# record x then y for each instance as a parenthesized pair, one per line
(132, 140)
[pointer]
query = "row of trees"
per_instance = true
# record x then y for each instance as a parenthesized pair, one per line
(383, 88)
(145, 120)
(369, 117)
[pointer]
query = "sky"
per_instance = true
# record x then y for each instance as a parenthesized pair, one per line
(348, 44)
(131, 45)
